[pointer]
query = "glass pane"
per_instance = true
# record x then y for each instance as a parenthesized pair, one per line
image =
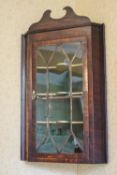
(47, 52)
(59, 109)
(41, 73)
(41, 135)
(44, 141)
(59, 73)
(77, 78)
(78, 139)
(59, 105)
(73, 50)
(77, 109)
(59, 139)
(41, 82)
(41, 110)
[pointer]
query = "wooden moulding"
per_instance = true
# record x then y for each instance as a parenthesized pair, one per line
(70, 20)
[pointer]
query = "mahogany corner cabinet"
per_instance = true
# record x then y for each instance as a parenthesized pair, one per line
(63, 101)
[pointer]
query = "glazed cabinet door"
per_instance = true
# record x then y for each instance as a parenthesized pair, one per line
(57, 97)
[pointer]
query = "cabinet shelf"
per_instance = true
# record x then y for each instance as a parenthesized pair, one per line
(58, 95)
(59, 122)
(55, 67)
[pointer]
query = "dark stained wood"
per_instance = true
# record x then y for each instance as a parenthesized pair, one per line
(28, 100)
(51, 31)
(99, 96)
(23, 95)
(59, 34)
(70, 20)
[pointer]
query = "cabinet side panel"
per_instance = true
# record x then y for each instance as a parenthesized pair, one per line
(23, 80)
(100, 155)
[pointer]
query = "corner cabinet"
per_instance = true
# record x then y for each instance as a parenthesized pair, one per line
(63, 91)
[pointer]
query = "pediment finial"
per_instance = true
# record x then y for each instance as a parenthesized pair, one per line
(69, 11)
(70, 19)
